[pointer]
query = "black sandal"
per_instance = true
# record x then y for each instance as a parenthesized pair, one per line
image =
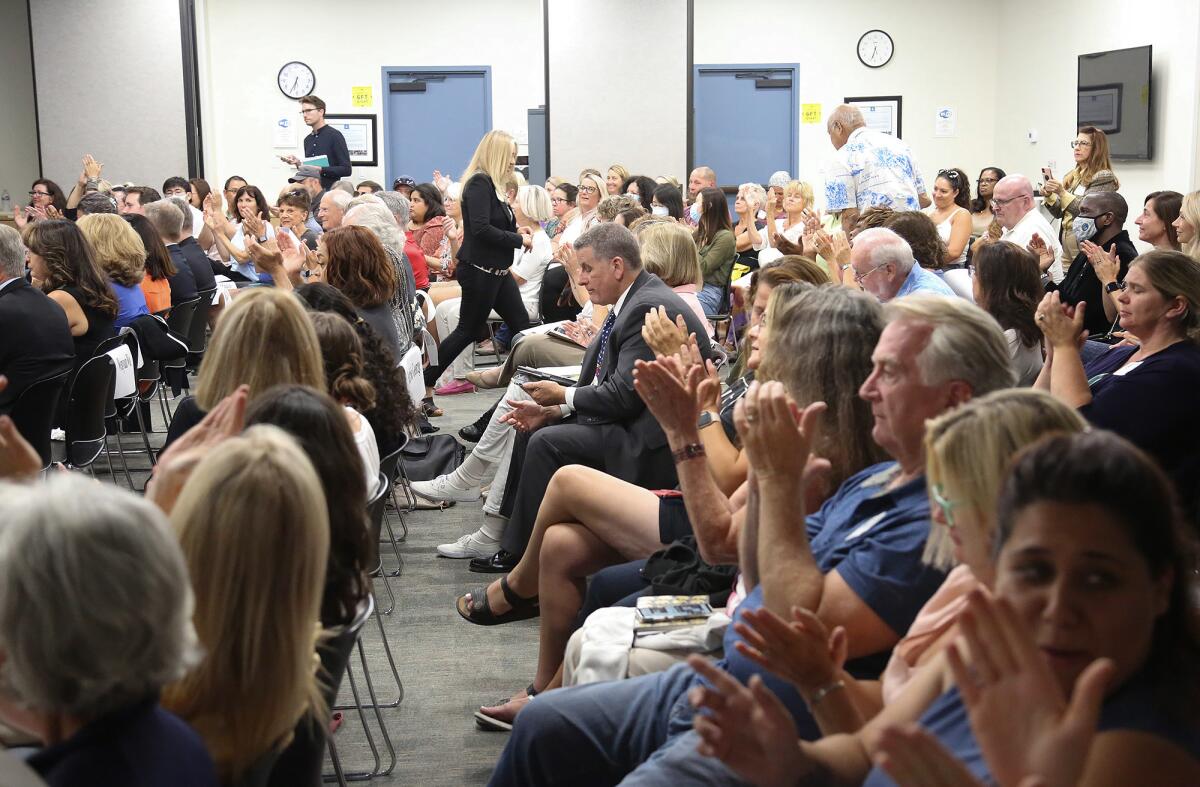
(478, 611)
(431, 410)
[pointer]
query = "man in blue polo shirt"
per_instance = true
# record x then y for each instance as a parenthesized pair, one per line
(857, 563)
(324, 140)
(883, 265)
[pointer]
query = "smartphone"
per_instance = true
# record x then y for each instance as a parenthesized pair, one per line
(1046, 174)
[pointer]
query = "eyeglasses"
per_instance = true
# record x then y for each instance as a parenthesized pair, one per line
(310, 109)
(39, 194)
(1000, 203)
(588, 190)
(937, 492)
(1079, 143)
(988, 180)
(858, 278)
(559, 201)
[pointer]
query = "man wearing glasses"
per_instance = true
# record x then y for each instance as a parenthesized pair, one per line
(325, 140)
(1014, 209)
(883, 264)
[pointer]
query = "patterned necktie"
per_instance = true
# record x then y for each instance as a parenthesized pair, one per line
(605, 330)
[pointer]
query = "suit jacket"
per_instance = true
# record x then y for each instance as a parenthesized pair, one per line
(612, 403)
(489, 230)
(199, 263)
(35, 339)
(183, 283)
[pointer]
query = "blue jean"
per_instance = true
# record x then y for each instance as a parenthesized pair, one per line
(633, 732)
(710, 298)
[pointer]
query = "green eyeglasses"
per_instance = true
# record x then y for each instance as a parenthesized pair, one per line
(938, 492)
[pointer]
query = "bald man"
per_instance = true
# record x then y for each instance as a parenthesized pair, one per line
(1015, 211)
(1100, 221)
(870, 169)
(700, 179)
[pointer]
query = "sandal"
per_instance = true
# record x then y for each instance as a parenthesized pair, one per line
(489, 723)
(478, 611)
(431, 410)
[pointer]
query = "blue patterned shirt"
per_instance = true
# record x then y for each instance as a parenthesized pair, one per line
(871, 169)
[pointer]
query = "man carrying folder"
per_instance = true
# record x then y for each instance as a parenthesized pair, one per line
(325, 147)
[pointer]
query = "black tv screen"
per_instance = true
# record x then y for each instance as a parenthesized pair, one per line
(1114, 96)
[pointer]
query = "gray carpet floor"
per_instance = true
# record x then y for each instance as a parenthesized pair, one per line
(448, 666)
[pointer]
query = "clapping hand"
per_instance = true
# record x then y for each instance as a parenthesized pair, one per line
(252, 223)
(441, 181)
(176, 464)
(570, 260)
(19, 461)
(914, 758)
(580, 331)
(1106, 264)
(802, 652)
(266, 256)
(661, 333)
(1039, 248)
(91, 168)
(1062, 325)
(748, 729)
(676, 394)
(1023, 723)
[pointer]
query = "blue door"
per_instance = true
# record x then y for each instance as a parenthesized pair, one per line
(745, 122)
(434, 118)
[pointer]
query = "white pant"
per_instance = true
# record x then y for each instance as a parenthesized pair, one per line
(495, 446)
(446, 318)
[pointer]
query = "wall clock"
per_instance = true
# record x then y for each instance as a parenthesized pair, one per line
(296, 79)
(875, 48)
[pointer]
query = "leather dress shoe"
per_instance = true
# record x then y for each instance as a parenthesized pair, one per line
(471, 433)
(500, 563)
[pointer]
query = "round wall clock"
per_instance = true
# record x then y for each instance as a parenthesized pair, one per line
(875, 48)
(296, 79)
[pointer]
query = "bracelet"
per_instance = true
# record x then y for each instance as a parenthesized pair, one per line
(825, 691)
(689, 451)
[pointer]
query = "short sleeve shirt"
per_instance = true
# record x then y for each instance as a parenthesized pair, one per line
(873, 169)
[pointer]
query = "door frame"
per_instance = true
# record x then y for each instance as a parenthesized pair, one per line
(387, 72)
(794, 68)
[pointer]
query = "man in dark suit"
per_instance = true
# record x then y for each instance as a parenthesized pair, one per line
(604, 423)
(173, 220)
(35, 338)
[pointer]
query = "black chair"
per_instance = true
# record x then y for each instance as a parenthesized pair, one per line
(299, 765)
(33, 412)
(179, 323)
(146, 374)
(88, 401)
(197, 335)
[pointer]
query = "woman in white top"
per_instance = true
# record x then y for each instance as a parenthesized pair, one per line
(797, 197)
(592, 189)
(342, 353)
(531, 208)
(750, 201)
(253, 216)
(951, 214)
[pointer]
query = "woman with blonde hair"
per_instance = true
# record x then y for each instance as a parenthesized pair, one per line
(589, 192)
(490, 237)
(751, 198)
(265, 338)
(121, 254)
(257, 604)
(617, 175)
(1092, 174)
(669, 252)
(797, 198)
(1187, 225)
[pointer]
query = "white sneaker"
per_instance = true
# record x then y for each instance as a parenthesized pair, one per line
(471, 545)
(440, 488)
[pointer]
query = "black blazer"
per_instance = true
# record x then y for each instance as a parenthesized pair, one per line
(489, 229)
(199, 262)
(35, 339)
(613, 403)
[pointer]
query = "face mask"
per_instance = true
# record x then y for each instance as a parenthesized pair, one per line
(1084, 228)
(694, 212)
(659, 210)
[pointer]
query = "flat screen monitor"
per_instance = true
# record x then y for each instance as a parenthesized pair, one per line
(1115, 97)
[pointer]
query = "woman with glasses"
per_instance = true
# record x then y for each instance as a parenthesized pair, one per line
(951, 214)
(1092, 173)
(982, 220)
(46, 201)
(562, 203)
(590, 191)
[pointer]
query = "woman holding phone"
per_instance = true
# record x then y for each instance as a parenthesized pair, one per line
(489, 239)
(1092, 173)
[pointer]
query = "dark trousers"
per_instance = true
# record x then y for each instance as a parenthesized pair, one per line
(548, 449)
(481, 293)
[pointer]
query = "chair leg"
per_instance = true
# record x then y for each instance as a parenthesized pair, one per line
(121, 453)
(336, 761)
(361, 776)
(145, 437)
(387, 650)
(383, 730)
(495, 349)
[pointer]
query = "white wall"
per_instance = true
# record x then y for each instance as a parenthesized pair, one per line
(245, 43)
(110, 83)
(18, 126)
(618, 86)
(1038, 91)
(945, 56)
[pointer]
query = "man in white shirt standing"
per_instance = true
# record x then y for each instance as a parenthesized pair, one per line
(1014, 209)
(870, 169)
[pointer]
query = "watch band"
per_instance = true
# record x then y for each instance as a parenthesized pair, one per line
(689, 451)
(707, 418)
(1113, 286)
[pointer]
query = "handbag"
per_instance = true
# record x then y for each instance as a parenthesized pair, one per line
(427, 457)
(679, 570)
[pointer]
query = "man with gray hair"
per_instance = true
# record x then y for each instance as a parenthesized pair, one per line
(1021, 220)
(172, 217)
(883, 264)
(871, 168)
(95, 202)
(332, 209)
(601, 421)
(36, 338)
(401, 209)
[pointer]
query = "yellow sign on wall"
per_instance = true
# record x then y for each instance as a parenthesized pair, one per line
(360, 96)
(810, 113)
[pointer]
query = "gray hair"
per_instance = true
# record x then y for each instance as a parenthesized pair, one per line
(97, 202)
(398, 204)
(95, 603)
(346, 186)
(362, 199)
(608, 241)
(779, 178)
(185, 208)
(12, 253)
(883, 246)
(378, 219)
(339, 198)
(846, 116)
(966, 342)
(165, 217)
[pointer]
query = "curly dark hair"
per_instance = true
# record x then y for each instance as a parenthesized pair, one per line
(646, 187)
(70, 263)
(320, 427)
(918, 229)
(393, 412)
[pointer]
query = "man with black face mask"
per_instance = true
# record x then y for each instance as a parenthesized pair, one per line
(1098, 271)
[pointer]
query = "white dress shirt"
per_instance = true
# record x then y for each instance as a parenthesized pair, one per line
(1023, 232)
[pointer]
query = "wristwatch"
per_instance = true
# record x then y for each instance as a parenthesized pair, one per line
(263, 239)
(1113, 286)
(707, 418)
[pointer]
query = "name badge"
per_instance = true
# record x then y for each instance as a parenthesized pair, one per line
(866, 526)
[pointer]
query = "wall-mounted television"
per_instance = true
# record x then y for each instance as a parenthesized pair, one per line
(1115, 97)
